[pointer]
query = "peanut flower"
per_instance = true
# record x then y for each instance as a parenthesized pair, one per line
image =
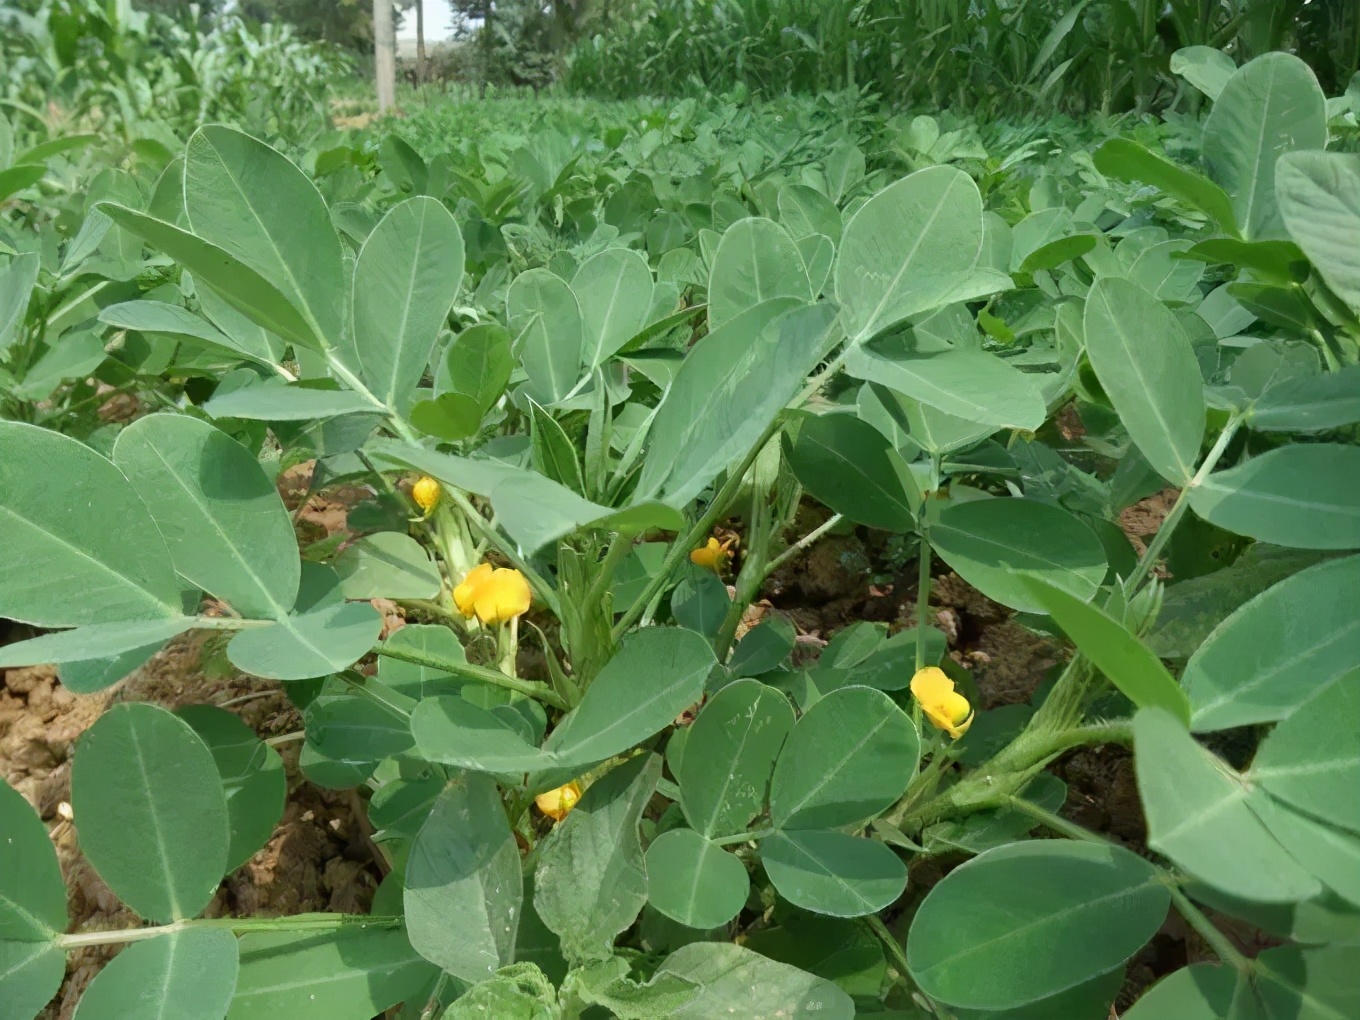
(556, 804)
(494, 595)
(426, 494)
(943, 706)
(712, 556)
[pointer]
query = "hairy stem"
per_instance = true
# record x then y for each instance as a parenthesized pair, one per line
(530, 688)
(237, 925)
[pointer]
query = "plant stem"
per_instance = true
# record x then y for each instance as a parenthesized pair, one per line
(1051, 821)
(619, 547)
(237, 925)
(1148, 561)
(922, 597)
(531, 688)
(894, 948)
(802, 544)
(536, 581)
(1218, 942)
(684, 543)
(286, 738)
(743, 837)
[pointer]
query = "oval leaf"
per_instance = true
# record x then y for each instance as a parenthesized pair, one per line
(189, 975)
(846, 463)
(848, 758)
(693, 881)
(223, 520)
(833, 873)
(1304, 497)
(88, 533)
(1028, 920)
(734, 741)
(1144, 361)
(150, 811)
(986, 540)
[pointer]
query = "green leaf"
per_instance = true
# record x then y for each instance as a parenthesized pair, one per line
(1277, 650)
(730, 387)
(1308, 983)
(387, 565)
(150, 811)
(1199, 816)
(31, 974)
(848, 758)
(656, 674)
(532, 509)
(453, 731)
(914, 246)
(32, 893)
(841, 951)
(407, 677)
(306, 645)
(1311, 760)
(614, 291)
(1144, 362)
(806, 211)
(477, 364)
(246, 334)
(733, 981)
(252, 774)
(735, 739)
(1305, 496)
(1127, 662)
(1206, 68)
(463, 883)
(1026, 921)
(406, 278)
(223, 520)
(1270, 106)
(1319, 198)
(349, 974)
(16, 287)
(240, 285)
(1328, 854)
(551, 451)
(16, 178)
(591, 880)
(188, 974)
(87, 533)
(1126, 160)
(95, 641)
(74, 356)
(833, 873)
(356, 730)
(172, 320)
(275, 400)
(848, 465)
(756, 261)
(1310, 403)
(693, 881)
(251, 201)
(987, 540)
(971, 385)
(1202, 991)
(546, 319)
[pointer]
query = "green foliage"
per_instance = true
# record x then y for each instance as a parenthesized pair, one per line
(602, 331)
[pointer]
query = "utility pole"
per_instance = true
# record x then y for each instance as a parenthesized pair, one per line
(384, 54)
(420, 42)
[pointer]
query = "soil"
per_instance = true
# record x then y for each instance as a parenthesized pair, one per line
(320, 859)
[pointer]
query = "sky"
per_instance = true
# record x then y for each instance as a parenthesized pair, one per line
(438, 21)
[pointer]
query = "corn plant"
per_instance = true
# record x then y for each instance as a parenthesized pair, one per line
(548, 459)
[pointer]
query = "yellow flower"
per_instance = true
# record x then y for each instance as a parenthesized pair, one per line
(426, 493)
(712, 556)
(943, 706)
(495, 596)
(557, 803)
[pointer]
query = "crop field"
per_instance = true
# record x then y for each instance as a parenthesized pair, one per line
(777, 551)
